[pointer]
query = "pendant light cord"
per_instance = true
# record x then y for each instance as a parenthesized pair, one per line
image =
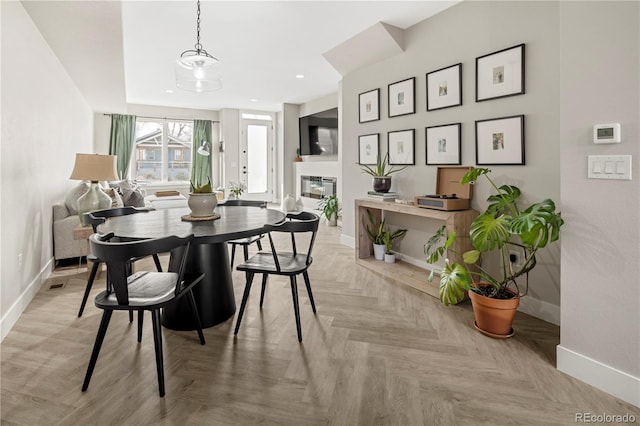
(198, 46)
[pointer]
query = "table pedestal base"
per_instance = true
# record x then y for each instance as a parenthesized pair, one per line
(214, 294)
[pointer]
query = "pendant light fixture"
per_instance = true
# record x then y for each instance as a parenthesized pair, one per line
(197, 70)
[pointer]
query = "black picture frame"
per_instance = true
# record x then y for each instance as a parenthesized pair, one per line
(501, 74)
(444, 87)
(443, 144)
(500, 141)
(401, 147)
(368, 148)
(369, 106)
(401, 97)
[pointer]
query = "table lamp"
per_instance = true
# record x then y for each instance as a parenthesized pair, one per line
(94, 168)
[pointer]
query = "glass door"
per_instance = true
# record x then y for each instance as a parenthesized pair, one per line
(256, 169)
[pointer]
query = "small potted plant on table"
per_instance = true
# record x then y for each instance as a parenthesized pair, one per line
(381, 173)
(502, 228)
(202, 200)
(236, 189)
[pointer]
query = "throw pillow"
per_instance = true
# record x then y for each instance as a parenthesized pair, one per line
(71, 199)
(116, 199)
(131, 194)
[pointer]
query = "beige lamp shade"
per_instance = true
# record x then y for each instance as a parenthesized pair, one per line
(95, 167)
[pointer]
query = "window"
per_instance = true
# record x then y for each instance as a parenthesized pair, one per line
(162, 151)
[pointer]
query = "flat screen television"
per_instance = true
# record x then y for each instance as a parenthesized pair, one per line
(319, 133)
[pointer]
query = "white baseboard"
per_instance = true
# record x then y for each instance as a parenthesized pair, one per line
(540, 309)
(613, 381)
(11, 317)
(347, 241)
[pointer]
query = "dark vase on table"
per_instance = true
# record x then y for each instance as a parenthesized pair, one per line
(382, 183)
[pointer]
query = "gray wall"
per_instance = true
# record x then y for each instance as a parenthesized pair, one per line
(460, 34)
(599, 71)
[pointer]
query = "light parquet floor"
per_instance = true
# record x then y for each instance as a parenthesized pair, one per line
(377, 353)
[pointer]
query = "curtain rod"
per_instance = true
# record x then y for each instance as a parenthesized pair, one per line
(166, 118)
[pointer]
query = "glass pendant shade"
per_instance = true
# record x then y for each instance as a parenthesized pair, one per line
(94, 168)
(197, 70)
(198, 73)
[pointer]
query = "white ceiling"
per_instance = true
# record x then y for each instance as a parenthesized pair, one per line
(262, 45)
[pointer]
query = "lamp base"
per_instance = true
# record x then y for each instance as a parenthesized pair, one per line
(94, 199)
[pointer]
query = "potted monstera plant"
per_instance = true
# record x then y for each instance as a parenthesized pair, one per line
(381, 173)
(504, 228)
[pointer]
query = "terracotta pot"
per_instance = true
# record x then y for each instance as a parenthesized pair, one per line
(494, 316)
(382, 183)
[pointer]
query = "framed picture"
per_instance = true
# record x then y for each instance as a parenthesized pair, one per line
(500, 141)
(402, 99)
(368, 148)
(443, 144)
(500, 74)
(401, 147)
(444, 87)
(369, 106)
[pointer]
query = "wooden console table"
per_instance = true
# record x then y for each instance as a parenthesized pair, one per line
(403, 272)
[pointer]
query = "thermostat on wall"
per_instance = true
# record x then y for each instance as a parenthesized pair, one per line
(606, 133)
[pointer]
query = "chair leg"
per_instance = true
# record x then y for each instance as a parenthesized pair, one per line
(245, 251)
(130, 316)
(140, 319)
(296, 307)
(156, 260)
(305, 275)
(233, 253)
(264, 286)
(259, 244)
(245, 296)
(157, 342)
(87, 290)
(196, 316)
(102, 330)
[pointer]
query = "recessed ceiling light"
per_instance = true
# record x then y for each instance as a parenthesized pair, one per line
(254, 100)
(299, 75)
(169, 91)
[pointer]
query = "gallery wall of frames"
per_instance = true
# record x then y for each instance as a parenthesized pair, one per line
(498, 140)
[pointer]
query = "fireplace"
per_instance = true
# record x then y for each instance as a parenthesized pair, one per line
(317, 186)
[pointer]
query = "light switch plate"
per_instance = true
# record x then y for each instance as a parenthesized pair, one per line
(611, 167)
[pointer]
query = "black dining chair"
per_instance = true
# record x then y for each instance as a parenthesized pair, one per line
(290, 263)
(142, 291)
(96, 218)
(245, 242)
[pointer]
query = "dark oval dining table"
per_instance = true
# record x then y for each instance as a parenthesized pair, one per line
(208, 253)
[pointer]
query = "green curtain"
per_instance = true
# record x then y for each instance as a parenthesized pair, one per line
(201, 164)
(123, 130)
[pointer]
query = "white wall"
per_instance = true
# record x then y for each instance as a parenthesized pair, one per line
(460, 34)
(45, 121)
(599, 80)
